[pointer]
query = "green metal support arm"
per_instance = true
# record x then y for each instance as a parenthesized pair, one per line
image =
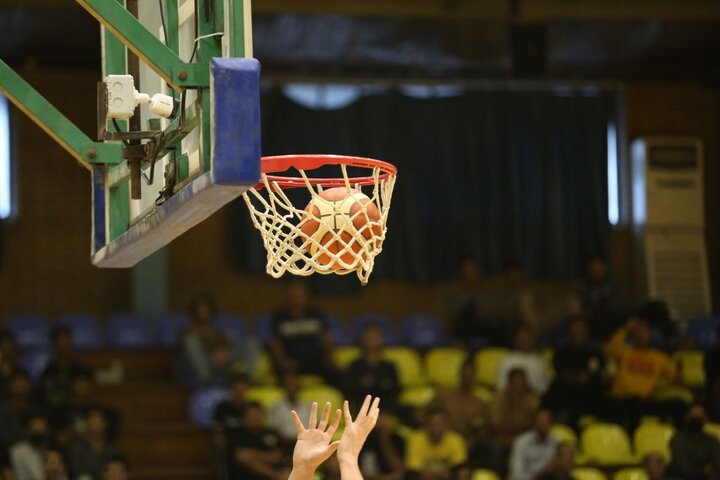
(54, 123)
(164, 61)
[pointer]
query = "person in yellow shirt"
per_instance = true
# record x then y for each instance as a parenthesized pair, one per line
(640, 369)
(434, 452)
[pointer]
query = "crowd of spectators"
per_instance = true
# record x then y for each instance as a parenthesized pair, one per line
(608, 363)
(53, 431)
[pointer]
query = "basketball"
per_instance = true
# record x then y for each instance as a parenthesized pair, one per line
(334, 218)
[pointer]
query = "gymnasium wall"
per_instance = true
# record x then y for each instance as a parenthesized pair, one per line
(47, 267)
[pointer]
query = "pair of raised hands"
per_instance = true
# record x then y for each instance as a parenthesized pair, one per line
(314, 444)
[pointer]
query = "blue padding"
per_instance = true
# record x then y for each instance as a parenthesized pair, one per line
(98, 199)
(235, 121)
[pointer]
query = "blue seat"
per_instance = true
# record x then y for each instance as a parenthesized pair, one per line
(35, 362)
(203, 404)
(85, 330)
(263, 328)
(231, 325)
(388, 327)
(339, 331)
(169, 328)
(30, 331)
(702, 331)
(423, 331)
(130, 331)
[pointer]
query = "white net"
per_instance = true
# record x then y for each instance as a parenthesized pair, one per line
(336, 230)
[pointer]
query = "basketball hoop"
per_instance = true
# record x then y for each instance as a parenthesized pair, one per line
(343, 226)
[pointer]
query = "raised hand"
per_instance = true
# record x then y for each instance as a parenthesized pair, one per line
(314, 444)
(356, 432)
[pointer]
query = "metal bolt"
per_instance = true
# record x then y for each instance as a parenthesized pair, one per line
(183, 75)
(92, 153)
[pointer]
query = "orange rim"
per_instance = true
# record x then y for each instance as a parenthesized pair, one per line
(283, 163)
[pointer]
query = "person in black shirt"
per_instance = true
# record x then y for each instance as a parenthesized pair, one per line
(301, 341)
(9, 361)
(370, 374)
(229, 414)
(579, 374)
(19, 404)
(56, 380)
(254, 450)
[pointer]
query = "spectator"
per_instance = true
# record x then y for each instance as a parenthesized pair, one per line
(88, 453)
(57, 378)
(382, 456)
(695, 453)
(525, 358)
(466, 412)
(712, 379)
(513, 302)
(15, 408)
(469, 305)
(561, 465)
(301, 340)
(435, 451)
(513, 410)
(579, 374)
(208, 355)
(26, 456)
(639, 369)
(278, 417)
(532, 450)
(70, 419)
(54, 465)
(116, 468)
(9, 361)
(605, 298)
(230, 413)
(370, 374)
(654, 465)
(254, 450)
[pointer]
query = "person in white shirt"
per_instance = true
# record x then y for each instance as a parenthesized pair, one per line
(278, 418)
(525, 358)
(532, 450)
(26, 456)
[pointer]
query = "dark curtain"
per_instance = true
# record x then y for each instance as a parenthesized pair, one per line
(501, 175)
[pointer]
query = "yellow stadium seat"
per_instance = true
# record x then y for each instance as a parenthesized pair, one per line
(443, 365)
(673, 392)
(264, 371)
(483, 393)
(586, 473)
(548, 354)
(408, 365)
(266, 395)
(713, 429)
(630, 474)
(482, 474)
(322, 394)
(693, 372)
(563, 433)
(344, 356)
(417, 396)
(606, 444)
(310, 380)
(487, 362)
(653, 437)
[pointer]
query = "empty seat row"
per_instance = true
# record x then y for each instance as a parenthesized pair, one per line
(136, 331)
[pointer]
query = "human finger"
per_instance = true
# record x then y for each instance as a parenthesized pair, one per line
(346, 411)
(325, 416)
(312, 423)
(335, 423)
(298, 423)
(365, 406)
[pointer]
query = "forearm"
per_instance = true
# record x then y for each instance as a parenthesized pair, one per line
(349, 468)
(301, 472)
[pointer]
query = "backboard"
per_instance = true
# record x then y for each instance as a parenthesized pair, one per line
(203, 158)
